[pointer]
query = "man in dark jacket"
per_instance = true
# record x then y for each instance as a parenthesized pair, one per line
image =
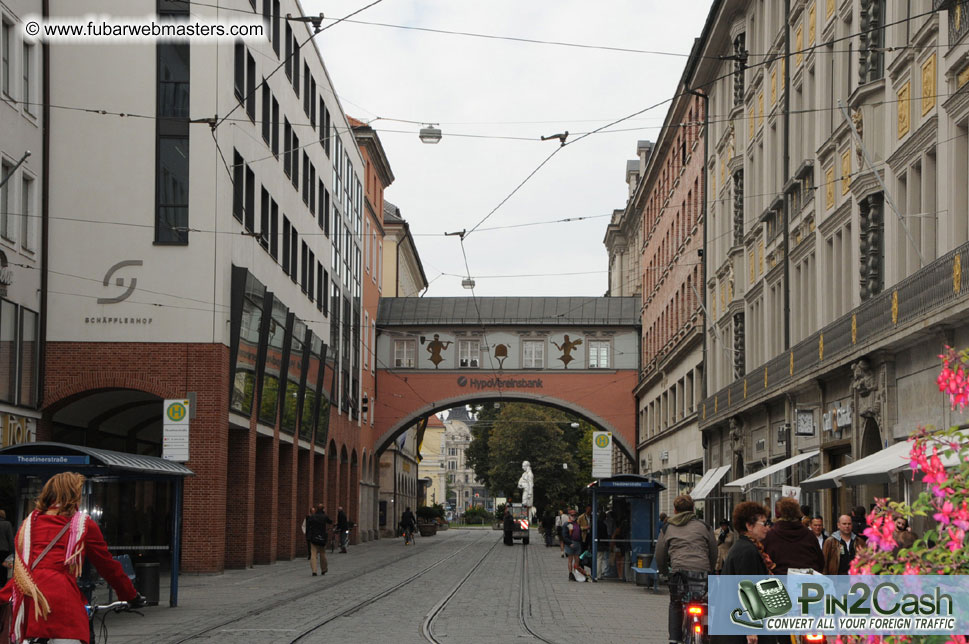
(342, 528)
(688, 546)
(508, 525)
(316, 527)
(789, 543)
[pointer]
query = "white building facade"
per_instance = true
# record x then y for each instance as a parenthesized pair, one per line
(205, 226)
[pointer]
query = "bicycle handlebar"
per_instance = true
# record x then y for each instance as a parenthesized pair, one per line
(117, 606)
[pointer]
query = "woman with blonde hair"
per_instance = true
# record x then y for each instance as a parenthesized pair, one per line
(50, 549)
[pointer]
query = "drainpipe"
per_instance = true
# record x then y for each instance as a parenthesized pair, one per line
(44, 216)
(787, 176)
(787, 208)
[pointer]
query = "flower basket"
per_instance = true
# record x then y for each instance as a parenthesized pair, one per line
(427, 529)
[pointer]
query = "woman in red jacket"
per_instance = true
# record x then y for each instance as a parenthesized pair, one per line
(50, 549)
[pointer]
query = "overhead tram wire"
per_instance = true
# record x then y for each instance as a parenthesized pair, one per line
(252, 93)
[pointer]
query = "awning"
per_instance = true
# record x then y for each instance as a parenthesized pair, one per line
(709, 481)
(881, 467)
(744, 482)
(87, 460)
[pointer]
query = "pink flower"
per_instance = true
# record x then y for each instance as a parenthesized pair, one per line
(960, 518)
(944, 515)
(956, 536)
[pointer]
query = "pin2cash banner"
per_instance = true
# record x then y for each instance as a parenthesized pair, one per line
(839, 604)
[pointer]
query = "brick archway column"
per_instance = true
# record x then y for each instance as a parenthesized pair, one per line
(286, 512)
(354, 492)
(332, 482)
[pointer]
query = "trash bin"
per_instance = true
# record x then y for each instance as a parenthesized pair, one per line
(147, 581)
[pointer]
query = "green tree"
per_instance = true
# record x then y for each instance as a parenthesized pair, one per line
(477, 454)
(544, 437)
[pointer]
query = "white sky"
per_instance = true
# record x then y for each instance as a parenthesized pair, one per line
(502, 88)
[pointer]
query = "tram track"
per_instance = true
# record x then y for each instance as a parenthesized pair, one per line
(524, 601)
(289, 598)
(382, 594)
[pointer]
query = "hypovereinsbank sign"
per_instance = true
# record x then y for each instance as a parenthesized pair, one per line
(839, 604)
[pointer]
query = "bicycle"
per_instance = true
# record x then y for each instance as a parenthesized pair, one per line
(408, 532)
(92, 612)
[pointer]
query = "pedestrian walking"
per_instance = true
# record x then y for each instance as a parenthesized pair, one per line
(817, 527)
(572, 538)
(725, 540)
(317, 525)
(789, 543)
(343, 528)
(6, 544)
(747, 557)
(841, 547)
(548, 527)
(560, 522)
(306, 536)
(859, 520)
(507, 526)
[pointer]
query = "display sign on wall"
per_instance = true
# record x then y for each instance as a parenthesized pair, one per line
(601, 455)
(175, 419)
(16, 430)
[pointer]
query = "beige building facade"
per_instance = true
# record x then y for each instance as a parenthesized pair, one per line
(838, 229)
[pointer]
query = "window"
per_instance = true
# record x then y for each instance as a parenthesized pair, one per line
(171, 214)
(251, 87)
(307, 187)
(6, 50)
(307, 96)
(404, 353)
(469, 354)
(239, 68)
(320, 290)
(275, 126)
(598, 354)
(324, 212)
(293, 249)
(326, 289)
(294, 148)
(266, 113)
(250, 222)
(325, 128)
(28, 70)
(294, 49)
(304, 267)
(27, 213)
(451, 465)
(238, 185)
(533, 354)
(287, 151)
(289, 51)
(276, 14)
(311, 94)
(264, 218)
(5, 171)
(273, 228)
(286, 228)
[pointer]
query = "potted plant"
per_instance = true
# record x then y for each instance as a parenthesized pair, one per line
(426, 521)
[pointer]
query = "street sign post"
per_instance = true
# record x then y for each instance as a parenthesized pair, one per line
(175, 420)
(601, 455)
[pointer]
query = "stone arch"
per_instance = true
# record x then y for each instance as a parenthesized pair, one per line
(383, 442)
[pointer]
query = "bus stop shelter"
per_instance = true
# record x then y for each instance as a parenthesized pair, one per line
(642, 495)
(34, 463)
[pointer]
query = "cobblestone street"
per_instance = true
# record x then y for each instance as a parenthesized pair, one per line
(384, 592)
